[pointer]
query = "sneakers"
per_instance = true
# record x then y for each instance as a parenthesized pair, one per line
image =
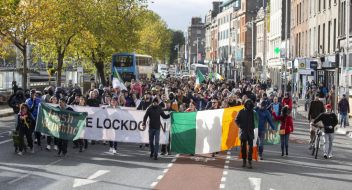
(325, 156)
(244, 164)
(113, 151)
(151, 155)
(330, 156)
(55, 147)
(110, 150)
(155, 157)
(261, 157)
(48, 147)
(249, 164)
(20, 153)
(31, 150)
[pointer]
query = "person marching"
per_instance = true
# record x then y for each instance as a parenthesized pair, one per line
(264, 116)
(245, 121)
(25, 126)
(329, 120)
(153, 113)
(113, 104)
(61, 142)
(316, 107)
(286, 127)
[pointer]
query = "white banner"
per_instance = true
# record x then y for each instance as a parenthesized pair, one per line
(121, 125)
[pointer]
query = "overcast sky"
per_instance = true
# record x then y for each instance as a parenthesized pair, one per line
(178, 13)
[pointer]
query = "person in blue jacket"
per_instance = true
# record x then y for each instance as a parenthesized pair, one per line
(264, 116)
(33, 104)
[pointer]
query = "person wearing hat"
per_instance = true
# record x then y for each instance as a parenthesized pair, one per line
(33, 104)
(154, 112)
(329, 120)
(245, 121)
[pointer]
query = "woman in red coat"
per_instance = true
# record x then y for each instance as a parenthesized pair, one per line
(285, 129)
(287, 101)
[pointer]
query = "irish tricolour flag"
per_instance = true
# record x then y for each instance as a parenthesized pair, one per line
(207, 131)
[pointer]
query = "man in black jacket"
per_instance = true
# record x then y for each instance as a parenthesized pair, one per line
(316, 107)
(62, 144)
(154, 112)
(344, 109)
(329, 120)
(245, 121)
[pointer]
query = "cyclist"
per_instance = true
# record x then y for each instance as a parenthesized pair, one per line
(329, 120)
(316, 107)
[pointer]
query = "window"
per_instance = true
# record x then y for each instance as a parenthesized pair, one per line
(123, 61)
(323, 39)
(319, 5)
(319, 39)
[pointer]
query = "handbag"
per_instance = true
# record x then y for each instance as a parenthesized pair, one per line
(283, 131)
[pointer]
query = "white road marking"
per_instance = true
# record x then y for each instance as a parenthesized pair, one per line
(173, 160)
(225, 172)
(80, 182)
(226, 167)
(228, 157)
(228, 152)
(160, 177)
(6, 132)
(222, 186)
(255, 182)
(169, 165)
(31, 172)
(165, 171)
(6, 141)
(98, 173)
(223, 179)
(153, 184)
(227, 161)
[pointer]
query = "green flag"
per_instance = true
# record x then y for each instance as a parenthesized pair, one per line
(117, 80)
(62, 124)
(200, 77)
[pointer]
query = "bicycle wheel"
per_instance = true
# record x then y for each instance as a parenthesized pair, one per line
(317, 147)
(313, 145)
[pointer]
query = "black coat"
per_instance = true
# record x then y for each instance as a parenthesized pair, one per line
(245, 121)
(154, 113)
(316, 108)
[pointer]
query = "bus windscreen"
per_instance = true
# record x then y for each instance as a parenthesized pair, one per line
(123, 61)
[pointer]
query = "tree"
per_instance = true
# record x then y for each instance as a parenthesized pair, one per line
(20, 23)
(64, 23)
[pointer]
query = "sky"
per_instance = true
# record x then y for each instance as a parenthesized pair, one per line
(178, 13)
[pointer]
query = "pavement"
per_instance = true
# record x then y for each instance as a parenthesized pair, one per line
(5, 111)
(132, 168)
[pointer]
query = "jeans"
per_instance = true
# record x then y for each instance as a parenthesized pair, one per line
(24, 131)
(261, 136)
(244, 149)
(343, 118)
(113, 144)
(284, 143)
(328, 139)
(154, 136)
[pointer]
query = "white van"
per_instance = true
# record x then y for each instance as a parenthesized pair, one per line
(163, 69)
(204, 69)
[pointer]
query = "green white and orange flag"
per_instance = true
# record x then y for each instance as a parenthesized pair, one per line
(117, 80)
(207, 131)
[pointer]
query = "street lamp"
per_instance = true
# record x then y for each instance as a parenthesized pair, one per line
(250, 25)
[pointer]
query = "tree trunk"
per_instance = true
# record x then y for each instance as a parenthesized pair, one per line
(60, 62)
(25, 69)
(100, 68)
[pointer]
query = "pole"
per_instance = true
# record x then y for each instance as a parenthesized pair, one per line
(346, 82)
(252, 69)
(285, 58)
(264, 44)
(197, 53)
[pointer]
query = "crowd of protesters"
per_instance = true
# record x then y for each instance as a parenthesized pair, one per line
(170, 94)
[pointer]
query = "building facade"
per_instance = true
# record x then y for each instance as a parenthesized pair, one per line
(196, 41)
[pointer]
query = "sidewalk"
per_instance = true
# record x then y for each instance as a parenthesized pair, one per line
(343, 131)
(5, 111)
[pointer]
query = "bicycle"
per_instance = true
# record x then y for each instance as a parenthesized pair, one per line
(316, 140)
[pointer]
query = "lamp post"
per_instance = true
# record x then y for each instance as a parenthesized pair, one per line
(251, 26)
